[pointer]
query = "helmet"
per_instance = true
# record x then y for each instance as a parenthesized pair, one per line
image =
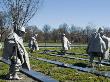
(21, 29)
(63, 34)
(36, 35)
(100, 30)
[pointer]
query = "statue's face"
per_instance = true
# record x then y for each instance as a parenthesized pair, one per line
(21, 33)
(102, 33)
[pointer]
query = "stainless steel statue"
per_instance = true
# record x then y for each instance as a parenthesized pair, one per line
(66, 45)
(14, 51)
(98, 46)
(33, 44)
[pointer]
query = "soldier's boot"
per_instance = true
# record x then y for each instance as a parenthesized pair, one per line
(16, 68)
(91, 62)
(99, 63)
(31, 50)
(64, 52)
(16, 77)
(9, 75)
(93, 65)
(15, 73)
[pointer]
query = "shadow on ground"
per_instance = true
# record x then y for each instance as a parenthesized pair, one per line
(3, 77)
(81, 65)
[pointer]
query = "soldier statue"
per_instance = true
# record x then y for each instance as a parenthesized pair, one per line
(33, 44)
(15, 52)
(98, 46)
(65, 44)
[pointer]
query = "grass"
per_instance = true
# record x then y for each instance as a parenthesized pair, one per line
(75, 62)
(3, 71)
(65, 74)
(81, 63)
(60, 59)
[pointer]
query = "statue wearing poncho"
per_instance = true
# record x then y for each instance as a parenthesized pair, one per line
(65, 44)
(16, 53)
(33, 44)
(98, 46)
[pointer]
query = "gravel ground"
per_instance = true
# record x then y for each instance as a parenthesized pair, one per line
(25, 79)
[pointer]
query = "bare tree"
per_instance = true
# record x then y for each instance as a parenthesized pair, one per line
(63, 28)
(21, 11)
(3, 24)
(55, 35)
(46, 30)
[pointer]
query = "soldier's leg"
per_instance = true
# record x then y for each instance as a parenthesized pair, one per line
(16, 69)
(100, 59)
(99, 62)
(91, 58)
(31, 48)
(64, 52)
(35, 47)
(9, 75)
